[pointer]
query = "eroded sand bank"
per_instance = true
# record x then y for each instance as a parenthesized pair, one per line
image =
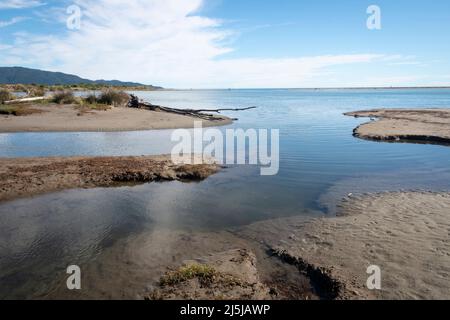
(24, 177)
(419, 125)
(133, 268)
(68, 118)
(406, 234)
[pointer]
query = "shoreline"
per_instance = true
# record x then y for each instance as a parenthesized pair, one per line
(428, 126)
(404, 233)
(26, 177)
(68, 118)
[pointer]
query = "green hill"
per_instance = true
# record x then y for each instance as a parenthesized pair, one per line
(19, 75)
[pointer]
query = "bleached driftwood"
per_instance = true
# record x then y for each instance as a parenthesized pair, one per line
(25, 100)
(201, 113)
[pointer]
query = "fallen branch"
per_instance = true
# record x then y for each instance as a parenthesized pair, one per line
(220, 110)
(25, 100)
(136, 103)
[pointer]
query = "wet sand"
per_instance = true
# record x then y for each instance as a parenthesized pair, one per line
(69, 118)
(25, 177)
(404, 233)
(409, 125)
(134, 266)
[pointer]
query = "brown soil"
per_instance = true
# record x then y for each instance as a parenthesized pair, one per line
(31, 176)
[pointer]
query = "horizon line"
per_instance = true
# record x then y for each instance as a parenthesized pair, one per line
(314, 88)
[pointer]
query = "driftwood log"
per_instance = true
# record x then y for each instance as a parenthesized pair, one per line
(23, 100)
(202, 113)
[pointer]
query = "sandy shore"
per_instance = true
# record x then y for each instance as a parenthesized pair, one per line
(414, 125)
(62, 118)
(134, 266)
(26, 177)
(404, 233)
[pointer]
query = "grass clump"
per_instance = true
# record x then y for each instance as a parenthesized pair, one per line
(113, 98)
(204, 273)
(91, 99)
(5, 95)
(64, 97)
(37, 92)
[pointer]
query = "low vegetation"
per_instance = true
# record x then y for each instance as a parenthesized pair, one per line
(64, 97)
(38, 91)
(91, 99)
(18, 110)
(204, 273)
(28, 88)
(113, 98)
(92, 102)
(5, 95)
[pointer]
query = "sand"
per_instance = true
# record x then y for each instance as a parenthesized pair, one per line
(132, 269)
(232, 275)
(24, 177)
(68, 118)
(414, 125)
(406, 234)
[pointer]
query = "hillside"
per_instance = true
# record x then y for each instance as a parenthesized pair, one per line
(19, 75)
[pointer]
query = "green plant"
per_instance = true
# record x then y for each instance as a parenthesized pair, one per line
(5, 96)
(64, 97)
(91, 99)
(204, 273)
(37, 92)
(113, 98)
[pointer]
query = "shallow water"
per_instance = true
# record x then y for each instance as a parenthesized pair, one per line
(318, 156)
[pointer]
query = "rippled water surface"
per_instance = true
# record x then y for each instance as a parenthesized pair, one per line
(319, 159)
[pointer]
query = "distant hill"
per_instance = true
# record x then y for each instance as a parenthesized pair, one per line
(19, 75)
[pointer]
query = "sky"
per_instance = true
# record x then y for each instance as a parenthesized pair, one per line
(233, 43)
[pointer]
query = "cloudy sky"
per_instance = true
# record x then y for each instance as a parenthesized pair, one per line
(232, 43)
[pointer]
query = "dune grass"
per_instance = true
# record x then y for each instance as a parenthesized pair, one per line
(5, 95)
(64, 97)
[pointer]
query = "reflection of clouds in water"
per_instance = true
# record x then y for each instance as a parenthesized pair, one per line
(93, 144)
(86, 143)
(41, 236)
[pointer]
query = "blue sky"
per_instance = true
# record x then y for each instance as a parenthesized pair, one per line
(232, 43)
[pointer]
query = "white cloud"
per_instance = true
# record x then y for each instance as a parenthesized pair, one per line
(162, 42)
(10, 22)
(20, 4)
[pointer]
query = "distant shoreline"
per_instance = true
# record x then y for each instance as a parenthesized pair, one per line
(312, 88)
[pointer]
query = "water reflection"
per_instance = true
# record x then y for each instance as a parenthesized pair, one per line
(40, 237)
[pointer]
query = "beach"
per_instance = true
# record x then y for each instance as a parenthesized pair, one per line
(235, 235)
(413, 125)
(404, 233)
(27, 177)
(70, 118)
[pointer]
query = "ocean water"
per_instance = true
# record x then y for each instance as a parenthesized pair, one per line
(320, 161)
